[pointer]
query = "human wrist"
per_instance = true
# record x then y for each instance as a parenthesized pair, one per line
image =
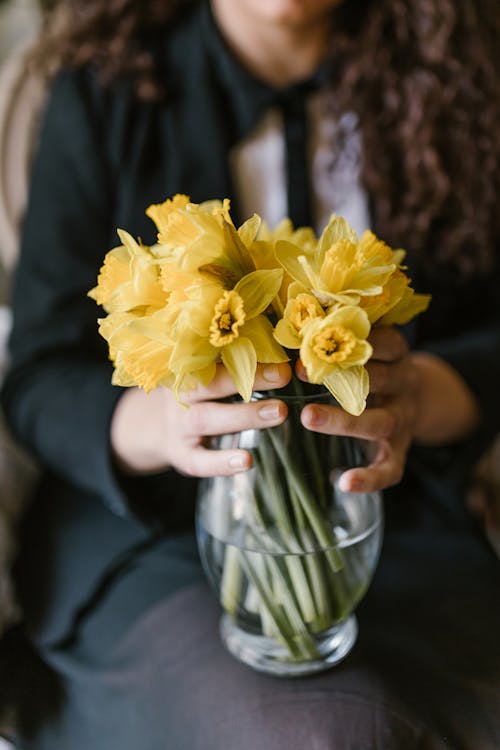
(136, 447)
(447, 409)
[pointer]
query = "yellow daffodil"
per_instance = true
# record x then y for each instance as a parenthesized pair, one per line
(139, 348)
(264, 254)
(408, 306)
(333, 352)
(129, 278)
(207, 292)
(341, 269)
(299, 311)
(160, 213)
(202, 238)
(303, 237)
(378, 305)
(229, 326)
(397, 304)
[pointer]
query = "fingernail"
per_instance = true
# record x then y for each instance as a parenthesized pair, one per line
(315, 416)
(354, 484)
(237, 461)
(300, 370)
(344, 484)
(271, 373)
(269, 411)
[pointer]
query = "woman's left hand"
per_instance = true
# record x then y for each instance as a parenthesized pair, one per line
(390, 420)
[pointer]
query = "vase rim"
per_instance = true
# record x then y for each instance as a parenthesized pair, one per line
(322, 395)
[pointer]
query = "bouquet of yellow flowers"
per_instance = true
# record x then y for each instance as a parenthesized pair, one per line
(290, 554)
(209, 292)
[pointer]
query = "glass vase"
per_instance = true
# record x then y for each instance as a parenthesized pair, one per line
(289, 554)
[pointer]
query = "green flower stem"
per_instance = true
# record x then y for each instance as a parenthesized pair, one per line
(323, 533)
(287, 544)
(274, 494)
(269, 626)
(320, 592)
(252, 601)
(285, 617)
(313, 592)
(315, 572)
(334, 580)
(231, 583)
(309, 445)
(301, 588)
(294, 577)
(300, 518)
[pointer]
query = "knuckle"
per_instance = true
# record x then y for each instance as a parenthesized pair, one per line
(188, 467)
(397, 474)
(383, 380)
(198, 419)
(402, 345)
(413, 378)
(397, 343)
(345, 422)
(389, 424)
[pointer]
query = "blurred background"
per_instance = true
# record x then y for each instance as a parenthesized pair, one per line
(19, 19)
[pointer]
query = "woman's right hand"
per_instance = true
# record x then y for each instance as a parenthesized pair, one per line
(151, 432)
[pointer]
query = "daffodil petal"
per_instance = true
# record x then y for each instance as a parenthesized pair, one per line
(191, 352)
(410, 304)
(398, 256)
(258, 289)
(260, 332)
(327, 299)
(160, 212)
(148, 364)
(360, 354)
(129, 278)
(350, 388)
(183, 383)
(236, 249)
(207, 374)
(151, 328)
(249, 230)
(336, 266)
(351, 317)
(122, 377)
(295, 288)
(288, 255)
(337, 229)
(286, 334)
(379, 305)
(371, 280)
(240, 360)
(333, 342)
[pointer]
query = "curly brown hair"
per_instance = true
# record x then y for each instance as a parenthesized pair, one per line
(423, 77)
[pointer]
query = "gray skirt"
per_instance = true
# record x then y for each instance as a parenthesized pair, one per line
(146, 670)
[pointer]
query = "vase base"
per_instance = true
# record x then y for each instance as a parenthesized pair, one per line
(266, 655)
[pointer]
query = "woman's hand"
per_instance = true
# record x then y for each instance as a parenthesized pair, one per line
(151, 432)
(413, 396)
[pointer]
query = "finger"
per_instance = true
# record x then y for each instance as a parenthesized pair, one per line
(300, 371)
(388, 379)
(388, 343)
(385, 471)
(267, 376)
(272, 376)
(373, 424)
(203, 462)
(216, 418)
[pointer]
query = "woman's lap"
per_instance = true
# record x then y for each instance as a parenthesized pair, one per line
(148, 669)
